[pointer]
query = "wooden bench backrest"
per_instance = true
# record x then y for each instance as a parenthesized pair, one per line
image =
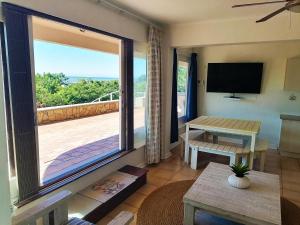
(52, 211)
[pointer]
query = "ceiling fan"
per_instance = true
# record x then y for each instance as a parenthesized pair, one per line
(291, 5)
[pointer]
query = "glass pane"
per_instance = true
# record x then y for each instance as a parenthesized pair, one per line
(140, 84)
(77, 99)
(181, 87)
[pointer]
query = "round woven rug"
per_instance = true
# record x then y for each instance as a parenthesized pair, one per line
(164, 206)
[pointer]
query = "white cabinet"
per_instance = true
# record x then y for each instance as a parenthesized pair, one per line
(292, 75)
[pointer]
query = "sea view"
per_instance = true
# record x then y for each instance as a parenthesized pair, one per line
(74, 79)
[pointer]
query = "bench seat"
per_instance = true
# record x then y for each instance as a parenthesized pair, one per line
(193, 135)
(211, 147)
(232, 151)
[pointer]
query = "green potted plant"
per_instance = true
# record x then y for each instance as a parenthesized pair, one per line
(239, 179)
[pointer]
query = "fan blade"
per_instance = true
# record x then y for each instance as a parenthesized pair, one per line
(258, 3)
(287, 7)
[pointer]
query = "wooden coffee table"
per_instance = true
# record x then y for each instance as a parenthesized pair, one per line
(257, 205)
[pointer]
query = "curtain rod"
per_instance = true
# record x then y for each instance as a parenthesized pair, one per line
(113, 6)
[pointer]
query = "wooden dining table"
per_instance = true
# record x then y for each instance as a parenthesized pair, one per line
(249, 128)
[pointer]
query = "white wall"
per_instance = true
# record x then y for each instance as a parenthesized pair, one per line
(266, 106)
(239, 31)
(233, 31)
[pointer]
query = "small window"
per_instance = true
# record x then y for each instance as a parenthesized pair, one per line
(139, 91)
(182, 74)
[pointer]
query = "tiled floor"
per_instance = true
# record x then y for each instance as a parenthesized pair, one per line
(173, 169)
(70, 144)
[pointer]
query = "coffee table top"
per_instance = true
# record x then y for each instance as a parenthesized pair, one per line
(259, 204)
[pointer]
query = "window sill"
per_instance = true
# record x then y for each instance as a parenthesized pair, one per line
(74, 177)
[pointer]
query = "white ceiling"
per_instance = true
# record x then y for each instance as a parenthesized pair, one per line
(184, 11)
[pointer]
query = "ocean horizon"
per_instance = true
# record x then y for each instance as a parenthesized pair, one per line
(74, 79)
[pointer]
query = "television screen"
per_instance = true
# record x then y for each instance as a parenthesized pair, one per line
(234, 77)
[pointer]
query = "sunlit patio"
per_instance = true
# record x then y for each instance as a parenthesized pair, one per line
(66, 145)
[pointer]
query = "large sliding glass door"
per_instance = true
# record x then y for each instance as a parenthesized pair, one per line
(71, 98)
(77, 89)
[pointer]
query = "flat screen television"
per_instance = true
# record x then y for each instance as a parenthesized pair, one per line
(234, 77)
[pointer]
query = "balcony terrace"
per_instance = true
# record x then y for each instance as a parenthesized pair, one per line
(69, 144)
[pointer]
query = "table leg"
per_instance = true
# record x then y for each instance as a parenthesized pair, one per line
(189, 214)
(187, 146)
(252, 149)
(194, 158)
(245, 159)
(234, 159)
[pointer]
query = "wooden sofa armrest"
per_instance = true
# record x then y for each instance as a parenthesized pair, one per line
(55, 206)
(123, 218)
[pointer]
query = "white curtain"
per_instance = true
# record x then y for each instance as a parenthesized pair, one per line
(153, 110)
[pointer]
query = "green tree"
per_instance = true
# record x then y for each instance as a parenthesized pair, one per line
(55, 90)
(181, 79)
(140, 85)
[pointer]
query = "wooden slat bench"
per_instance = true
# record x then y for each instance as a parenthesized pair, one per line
(233, 152)
(54, 211)
(193, 135)
(261, 145)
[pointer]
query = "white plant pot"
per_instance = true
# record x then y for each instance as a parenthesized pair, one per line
(238, 182)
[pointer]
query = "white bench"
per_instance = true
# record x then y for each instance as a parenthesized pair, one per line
(261, 145)
(233, 152)
(193, 135)
(54, 211)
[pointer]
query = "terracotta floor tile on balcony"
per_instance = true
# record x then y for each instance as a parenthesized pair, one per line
(74, 143)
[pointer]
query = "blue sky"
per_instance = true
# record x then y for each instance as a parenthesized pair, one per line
(72, 61)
